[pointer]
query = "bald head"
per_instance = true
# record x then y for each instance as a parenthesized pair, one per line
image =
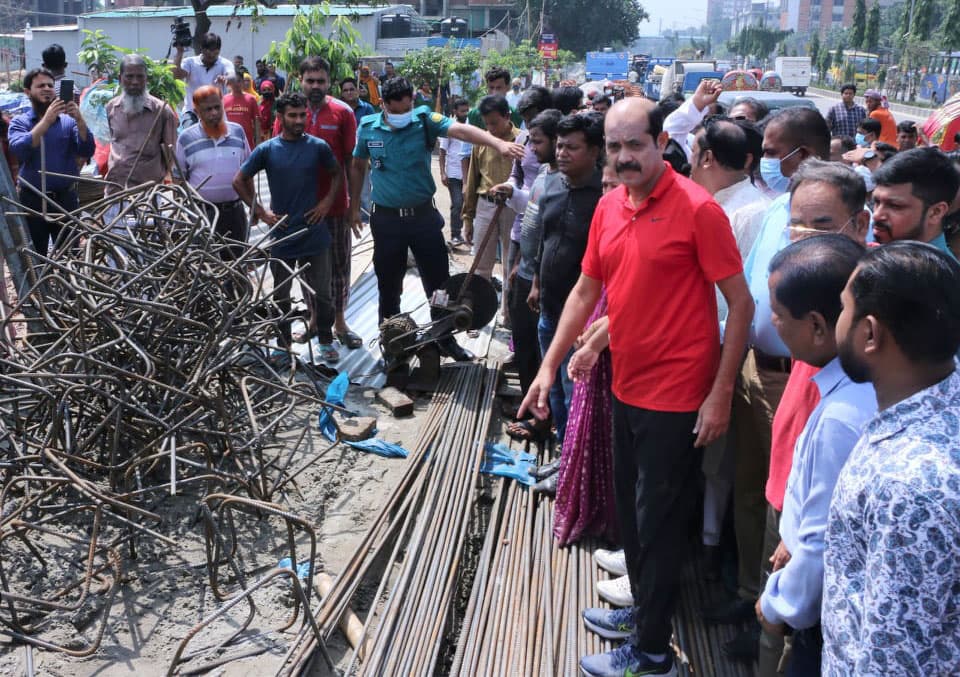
(635, 108)
(635, 143)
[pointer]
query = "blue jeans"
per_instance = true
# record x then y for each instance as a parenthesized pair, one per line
(562, 389)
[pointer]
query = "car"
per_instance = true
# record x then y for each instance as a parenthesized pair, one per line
(772, 100)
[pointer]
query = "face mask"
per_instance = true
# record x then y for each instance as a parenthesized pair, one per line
(772, 174)
(399, 120)
(860, 139)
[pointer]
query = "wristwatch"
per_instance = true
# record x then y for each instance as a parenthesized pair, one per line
(870, 154)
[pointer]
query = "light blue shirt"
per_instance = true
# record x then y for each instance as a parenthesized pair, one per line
(793, 593)
(774, 236)
(940, 242)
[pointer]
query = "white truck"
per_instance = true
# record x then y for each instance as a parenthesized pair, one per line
(794, 72)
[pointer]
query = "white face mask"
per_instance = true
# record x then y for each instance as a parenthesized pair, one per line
(399, 120)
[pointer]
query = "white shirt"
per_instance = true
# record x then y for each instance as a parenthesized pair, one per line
(513, 98)
(199, 75)
(681, 122)
(456, 150)
(745, 205)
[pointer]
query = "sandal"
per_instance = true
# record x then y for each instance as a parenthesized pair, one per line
(328, 353)
(528, 430)
(349, 339)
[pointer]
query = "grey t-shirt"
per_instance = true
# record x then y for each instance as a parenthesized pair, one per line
(530, 228)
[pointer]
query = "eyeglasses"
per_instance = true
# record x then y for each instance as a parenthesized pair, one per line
(801, 230)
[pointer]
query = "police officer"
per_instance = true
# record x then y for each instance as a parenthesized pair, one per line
(398, 146)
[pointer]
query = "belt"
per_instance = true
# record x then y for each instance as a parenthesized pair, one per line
(771, 362)
(231, 203)
(486, 197)
(405, 212)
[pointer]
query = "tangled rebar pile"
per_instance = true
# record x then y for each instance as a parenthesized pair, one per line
(145, 372)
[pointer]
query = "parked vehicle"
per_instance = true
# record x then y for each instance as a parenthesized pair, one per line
(795, 73)
(773, 100)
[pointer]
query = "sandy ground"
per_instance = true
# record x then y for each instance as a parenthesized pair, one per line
(166, 591)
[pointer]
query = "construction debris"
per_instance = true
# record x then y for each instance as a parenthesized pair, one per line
(398, 402)
(147, 370)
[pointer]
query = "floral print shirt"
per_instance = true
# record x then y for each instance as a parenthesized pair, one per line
(891, 603)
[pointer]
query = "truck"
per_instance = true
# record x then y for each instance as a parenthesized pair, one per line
(795, 72)
(673, 78)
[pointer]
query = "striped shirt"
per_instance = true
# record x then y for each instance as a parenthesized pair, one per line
(215, 161)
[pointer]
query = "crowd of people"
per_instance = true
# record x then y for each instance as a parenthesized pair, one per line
(707, 307)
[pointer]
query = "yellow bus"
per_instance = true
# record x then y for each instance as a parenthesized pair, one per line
(863, 64)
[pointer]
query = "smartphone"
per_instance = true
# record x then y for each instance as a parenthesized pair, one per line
(66, 91)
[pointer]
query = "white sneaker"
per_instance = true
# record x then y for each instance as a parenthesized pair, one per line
(616, 591)
(613, 561)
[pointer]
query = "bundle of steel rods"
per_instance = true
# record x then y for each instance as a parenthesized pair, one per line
(524, 612)
(418, 539)
(145, 370)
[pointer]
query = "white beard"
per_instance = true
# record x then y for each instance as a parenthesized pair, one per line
(133, 104)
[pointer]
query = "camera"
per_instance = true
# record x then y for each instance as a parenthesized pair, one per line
(181, 33)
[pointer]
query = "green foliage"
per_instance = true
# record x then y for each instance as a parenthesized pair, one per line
(97, 53)
(587, 25)
(435, 66)
(859, 26)
(782, 49)
(565, 58)
(871, 37)
(520, 59)
(310, 35)
(825, 63)
(922, 19)
(951, 27)
(881, 77)
(813, 49)
(758, 41)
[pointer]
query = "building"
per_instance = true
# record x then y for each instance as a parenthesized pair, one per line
(387, 30)
(806, 16)
(755, 13)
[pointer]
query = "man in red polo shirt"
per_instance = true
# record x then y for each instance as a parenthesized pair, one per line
(659, 244)
(333, 121)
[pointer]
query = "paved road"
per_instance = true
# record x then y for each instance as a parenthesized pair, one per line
(825, 103)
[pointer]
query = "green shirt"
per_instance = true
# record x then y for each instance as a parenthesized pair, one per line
(475, 119)
(400, 170)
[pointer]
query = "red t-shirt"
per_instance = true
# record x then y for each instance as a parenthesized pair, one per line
(335, 124)
(243, 110)
(800, 397)
(659, 262)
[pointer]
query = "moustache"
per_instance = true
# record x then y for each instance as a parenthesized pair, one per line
(625, 166)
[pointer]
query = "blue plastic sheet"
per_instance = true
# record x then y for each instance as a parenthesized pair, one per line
(303, 569)
(512, 463)
(336, 394)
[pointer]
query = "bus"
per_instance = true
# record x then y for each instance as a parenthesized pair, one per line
(864, 66)
(940, 79)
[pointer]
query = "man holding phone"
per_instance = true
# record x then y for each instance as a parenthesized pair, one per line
(52, 135)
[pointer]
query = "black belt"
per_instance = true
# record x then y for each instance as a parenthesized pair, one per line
(771, 362)
(487, 197)
(405, 212)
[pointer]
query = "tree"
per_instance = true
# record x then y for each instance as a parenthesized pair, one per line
(826, 61)
(871, 38)
(922, 19)
(519, 59)
(813, 49)
(782, 50)
(341, 46)
(951, 27)
(435, 66)
(585, 25)
(758, 41)
(96, 51)
(859, 26)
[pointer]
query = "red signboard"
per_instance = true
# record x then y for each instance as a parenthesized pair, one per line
(548, 50)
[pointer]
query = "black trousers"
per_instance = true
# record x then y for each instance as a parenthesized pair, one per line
(232, 223)
(806, 653)
(526, 345)
(393, 235)
(655, 479)
(44, 232)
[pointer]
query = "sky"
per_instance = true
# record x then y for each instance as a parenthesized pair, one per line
(674, 13)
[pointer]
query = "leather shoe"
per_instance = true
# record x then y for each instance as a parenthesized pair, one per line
(448, 346)
(729, 612)
(544, 471)
(745, 646)
(547, 486)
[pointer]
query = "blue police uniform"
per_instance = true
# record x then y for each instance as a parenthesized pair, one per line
(403, 215)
